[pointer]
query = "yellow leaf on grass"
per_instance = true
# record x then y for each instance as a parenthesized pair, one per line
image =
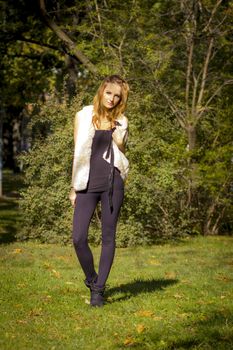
(145, 313)
(22, 321)
(178, 296)
(36, 312)
(224, 278)
(154, 262)
(157, 318)
(56, 273)
(140, 328)
(47, 298)
(129, 341)
(184, 315)
(17, 251)
(47, 265)
(170, 274)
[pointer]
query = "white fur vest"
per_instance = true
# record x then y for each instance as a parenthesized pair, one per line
(83, 143)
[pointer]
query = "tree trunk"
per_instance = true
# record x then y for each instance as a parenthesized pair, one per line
(192, 136)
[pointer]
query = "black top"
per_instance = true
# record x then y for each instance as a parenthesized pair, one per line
(100, 168)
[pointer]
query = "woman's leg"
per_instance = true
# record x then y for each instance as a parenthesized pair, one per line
(84, 209)
(109, 223)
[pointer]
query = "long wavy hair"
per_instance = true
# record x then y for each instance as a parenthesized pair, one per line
(112, 114)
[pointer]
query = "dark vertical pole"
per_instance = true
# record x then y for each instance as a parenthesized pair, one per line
(1, 146)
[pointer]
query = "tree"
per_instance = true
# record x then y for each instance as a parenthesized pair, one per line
(176, 58)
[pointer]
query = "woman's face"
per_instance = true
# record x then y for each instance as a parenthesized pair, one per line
(111, 95)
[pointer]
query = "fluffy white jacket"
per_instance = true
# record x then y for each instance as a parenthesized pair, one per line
(83, 144)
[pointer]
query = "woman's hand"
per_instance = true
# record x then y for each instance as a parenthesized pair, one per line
(120, 134)
(117, 137)
(72, 197)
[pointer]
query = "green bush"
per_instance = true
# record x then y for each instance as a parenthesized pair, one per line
(156, 192)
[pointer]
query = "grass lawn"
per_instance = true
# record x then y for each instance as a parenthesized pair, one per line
(160, 297)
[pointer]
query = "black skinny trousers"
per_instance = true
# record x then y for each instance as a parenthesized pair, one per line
(86, 203)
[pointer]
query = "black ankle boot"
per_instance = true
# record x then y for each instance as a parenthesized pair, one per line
(97, 295)
(92, 281)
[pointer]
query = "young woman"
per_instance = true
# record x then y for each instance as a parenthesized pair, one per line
(99, 170)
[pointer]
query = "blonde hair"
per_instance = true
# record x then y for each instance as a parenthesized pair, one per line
(100, 111)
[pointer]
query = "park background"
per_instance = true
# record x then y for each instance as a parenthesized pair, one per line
(177, 58)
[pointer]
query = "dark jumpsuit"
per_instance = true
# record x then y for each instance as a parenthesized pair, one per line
(98, 189)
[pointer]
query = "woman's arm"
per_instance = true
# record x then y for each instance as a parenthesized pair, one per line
(120, 134)
(72, 194)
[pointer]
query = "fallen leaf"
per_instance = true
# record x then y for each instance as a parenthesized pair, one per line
(154, 262)
(84, 296)
(186, 282)
(56, 273)
(224, 278)
(170, 274)
(145, 313)
(46, 298)
(183, 315)
(36, 312)
(87, 301)
(17, 251)
(18, 306)
(157, 318)
(47, 265)
(22, 321)
(140, 328)
(178, 296)
(129, 341)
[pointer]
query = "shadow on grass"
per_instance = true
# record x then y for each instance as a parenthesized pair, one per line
(215, 332)
(137, 287)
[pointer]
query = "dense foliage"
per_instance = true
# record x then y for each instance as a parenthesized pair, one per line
(176, 58)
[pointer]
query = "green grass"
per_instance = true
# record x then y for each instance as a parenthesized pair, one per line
(160, 297)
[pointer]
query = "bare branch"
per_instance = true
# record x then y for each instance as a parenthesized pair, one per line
(195, 85)
(100, 24)
(188, 73)
(122, 41)
(66, 39)
(212, 15)
(205, 71)
(178, 114)
(31, 41)
(227, 82)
